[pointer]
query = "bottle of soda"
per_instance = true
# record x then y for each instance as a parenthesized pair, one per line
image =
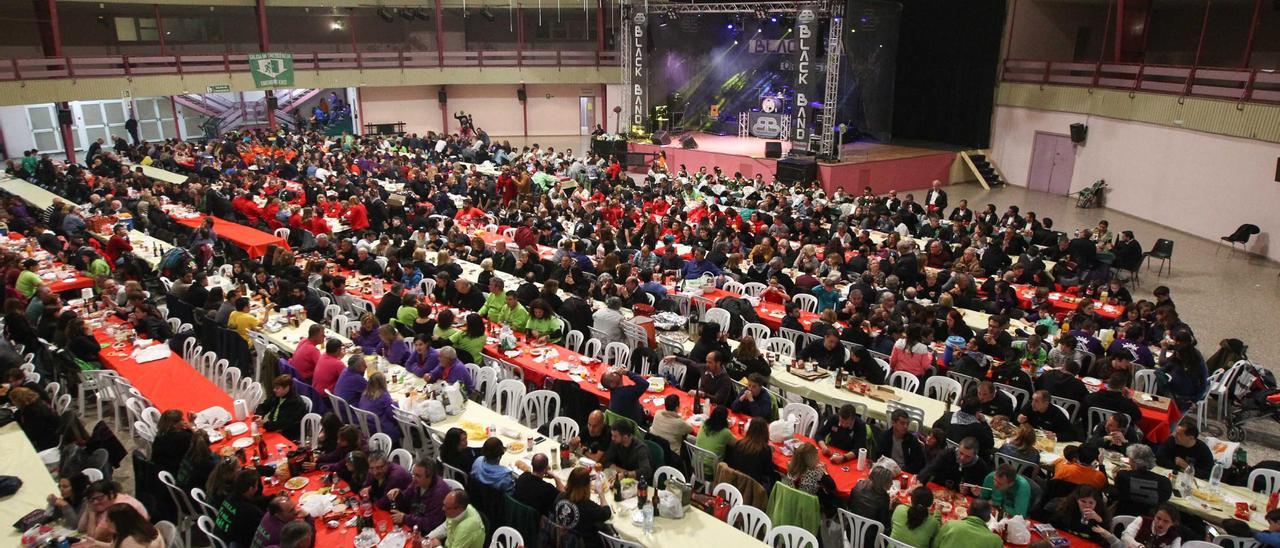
(697, 403)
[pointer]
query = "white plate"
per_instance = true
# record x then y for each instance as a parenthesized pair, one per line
(562, 366)
(242, 443)
(237, 428)
(215, 436)
(512, 353)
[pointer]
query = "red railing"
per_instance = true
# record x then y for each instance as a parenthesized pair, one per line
(124, 65)
(1237, 84)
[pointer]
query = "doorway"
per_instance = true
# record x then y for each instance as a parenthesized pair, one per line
(1053, 160)
(586, 115)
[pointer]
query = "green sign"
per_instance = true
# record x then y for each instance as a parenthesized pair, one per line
(271, 70)
(219, 88)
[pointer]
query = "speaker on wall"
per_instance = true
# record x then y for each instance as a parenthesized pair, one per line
(64, 116)
(773, 149)
(797, 170)
(686, 141)
(1078, 133)
(521, 95)
(272, 102)
(661, 137)
(442, 96)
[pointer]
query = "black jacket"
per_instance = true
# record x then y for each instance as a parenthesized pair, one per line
(283, 415)
(912, 450)
(946, 471)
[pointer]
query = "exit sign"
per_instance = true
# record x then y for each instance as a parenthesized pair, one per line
(219, 88)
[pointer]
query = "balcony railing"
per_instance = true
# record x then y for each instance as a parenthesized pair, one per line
(1236, 84)
(115, 66)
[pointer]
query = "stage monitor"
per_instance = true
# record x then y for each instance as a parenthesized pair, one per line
(662, 137)
(686, 141)
(797, 170)
(773, 149)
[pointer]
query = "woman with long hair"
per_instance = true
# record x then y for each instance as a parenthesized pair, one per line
(347, 438)
(197, 463)
(806, 473)
(173, 438)
(366, 336)
(752, 455)
(218, 486)
(455, 451)
(1081, 511)
(391, 345)
(715, 436)
(469, 343)
(1023, 444)
(1188, 376)
(69, 502)
(444, 329)
(37, 419)
(911, 353)
(912, 523)
(747, 359)
(1159, 530)
(870, 498)
(543, 322)
(575, 510)
(131, 529)
(377, 400)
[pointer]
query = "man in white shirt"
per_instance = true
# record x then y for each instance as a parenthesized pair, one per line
(608, 321)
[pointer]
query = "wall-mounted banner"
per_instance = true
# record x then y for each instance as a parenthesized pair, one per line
(805, 60)
(639, 73)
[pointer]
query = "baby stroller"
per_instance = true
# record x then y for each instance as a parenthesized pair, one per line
(1251, 393)
(1092, 195)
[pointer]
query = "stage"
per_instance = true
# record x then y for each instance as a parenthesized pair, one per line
(883, 167)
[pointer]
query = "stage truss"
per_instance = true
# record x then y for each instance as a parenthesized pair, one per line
(831, 8)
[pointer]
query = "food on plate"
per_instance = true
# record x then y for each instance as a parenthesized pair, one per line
(296, 483)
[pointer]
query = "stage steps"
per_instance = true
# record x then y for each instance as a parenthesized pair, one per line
(986, 172)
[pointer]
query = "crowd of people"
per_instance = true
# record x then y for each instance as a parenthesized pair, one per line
(890, 276)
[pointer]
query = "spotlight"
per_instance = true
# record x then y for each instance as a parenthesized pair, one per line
(488, 15)
(729, 26)
(406, 13)
(386, 14)
(773, 19)
(336, 25)
(671, 14)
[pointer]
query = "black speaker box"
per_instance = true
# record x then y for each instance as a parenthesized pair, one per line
(521, 95)
(272, 102)
(773, 149)
(661, 137)
(1078, 133)
(442, 96)
(64, 116)
(686, 141)
(797, 170)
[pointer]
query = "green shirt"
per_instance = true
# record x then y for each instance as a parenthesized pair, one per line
(464, 531)
(27, 283)
(516, 317)
(407, 315)
(472, 345)
(1015, 500)
(918, 537)
(970, 532)
(495, 300)
(29, 164)
(444, 334)
(549, 326)
(99, 269)
(714, 442)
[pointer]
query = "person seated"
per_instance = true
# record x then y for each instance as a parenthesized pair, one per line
(1042, 414)
(993, 402)
(965, 423)
(594, 440)
(1185, 448)
(352, 382)
(828, 353)
(752, 455)
(1161, 528)
(574, 509)
(841, 436)
(900, 444)
(377, 400)
(1022, 445)
(669, 425)
(239, 514)
(449, 369)
(283, 410)
(915, 524)
(462, 528)
(307, 354)
(489, 470)
(1115, 434)
(329, 368)
(957, 465)
(281, 510)
(1138, 489)
(1114, 398)
(970, 532)
(538, 488)
(1081, 511)
(627, 455)
(421, 503)
(1078, 466)
(384, 476)
(755, 401)
(36, 417)
(345, 441)
(1007, 490)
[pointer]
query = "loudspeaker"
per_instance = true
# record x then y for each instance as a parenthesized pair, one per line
(773, 149)
(1078, 133)
(797, 170)
(686, 141)
(272, 102)
(442, 96)
(661, 137)
(64, 117)
(521, 95)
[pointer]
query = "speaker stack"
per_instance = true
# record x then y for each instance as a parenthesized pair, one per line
(773, 149)
(1078, 133)
(797, 170)
(686, 141)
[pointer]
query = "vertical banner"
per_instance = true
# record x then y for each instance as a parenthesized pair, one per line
(806, 59)
(639, 71)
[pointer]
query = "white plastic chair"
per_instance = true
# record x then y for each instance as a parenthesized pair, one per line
(366, 421)
(1119, 523)
(202, 503)
(729, 493)
(663, 473)
(402, 457)
(942, 389)
(854, 528)
(718, 316)
(753, 289)
(282, 233)
(790, 536)
(915, 413)
(205, 523)
(1144, 380)
(758, 331)
(62, 403)
(169, 532)
(506, 537)
(611, 541)
(508, 398)
(538, 408)
(484, 380)
(617, 354)
(1070, 406)
(750, 520)
(673, 370)
(733, 287)
(563, 429)
(1270, 480)
(573, 340)
(781, 346)
(310, 430)
(1098, 415)
(306, 401)
(807, 302)
(92, 473)
(380, 443)
(804, 417)
(905, 381)
(592, 348)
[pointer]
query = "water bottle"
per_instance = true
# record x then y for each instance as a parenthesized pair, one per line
(1215, 476)
(648, 519)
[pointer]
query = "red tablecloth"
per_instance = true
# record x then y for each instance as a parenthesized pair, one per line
(490, 238)
(252, 240)
(1156, 423)
(904, 497)
(1063, 302)
(771, 314)
(170, 383)
(80, 282)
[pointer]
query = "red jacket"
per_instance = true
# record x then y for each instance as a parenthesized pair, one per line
(526, 237)
(246, 207)
(357, 217)
(116, 247)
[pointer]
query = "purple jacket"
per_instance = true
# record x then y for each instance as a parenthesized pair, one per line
(268, 533)
(457, 373)
(396, 352)
(397, 478)
(420, 364)
(367, 341)
(425, 508)
(381, 407)
(350, 385)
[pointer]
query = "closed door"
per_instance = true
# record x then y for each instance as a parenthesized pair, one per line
(586, 114)
(1053, 158)
(45, 131)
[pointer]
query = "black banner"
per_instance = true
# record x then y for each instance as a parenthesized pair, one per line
(806, 59)
(639, 73)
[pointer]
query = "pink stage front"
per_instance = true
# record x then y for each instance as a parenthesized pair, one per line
(883, 167)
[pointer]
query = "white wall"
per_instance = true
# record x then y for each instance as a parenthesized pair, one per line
(16, 131)
(1192, 181)
(494, 108)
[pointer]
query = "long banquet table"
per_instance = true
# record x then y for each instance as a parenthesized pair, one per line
(21, 460)
(255, 242)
